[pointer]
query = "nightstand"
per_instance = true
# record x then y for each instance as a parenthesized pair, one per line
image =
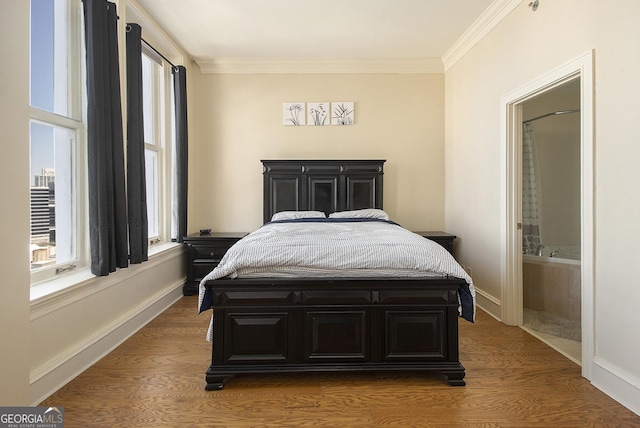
(204, 252)
(443, 238)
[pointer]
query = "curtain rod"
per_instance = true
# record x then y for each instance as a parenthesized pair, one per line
(153, 49)
(553, 113)
(158, 52)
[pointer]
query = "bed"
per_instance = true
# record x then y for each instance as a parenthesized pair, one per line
(330, 283)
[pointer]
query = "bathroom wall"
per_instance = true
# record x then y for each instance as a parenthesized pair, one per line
(557, 151)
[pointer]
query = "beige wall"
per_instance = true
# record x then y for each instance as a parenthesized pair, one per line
(523, 47)
(236, 120)
(14, 227)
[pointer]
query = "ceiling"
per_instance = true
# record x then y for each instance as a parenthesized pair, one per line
(315, 29)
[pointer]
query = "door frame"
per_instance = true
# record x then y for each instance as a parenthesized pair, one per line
(511, 195)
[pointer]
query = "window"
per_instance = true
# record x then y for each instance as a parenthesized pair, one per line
(56, 132)
(58, 176)
(158, 135)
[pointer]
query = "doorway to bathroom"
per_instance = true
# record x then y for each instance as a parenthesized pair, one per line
(524, 105)
(551, 223)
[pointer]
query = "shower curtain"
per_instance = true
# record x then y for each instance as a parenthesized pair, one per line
(530, 224)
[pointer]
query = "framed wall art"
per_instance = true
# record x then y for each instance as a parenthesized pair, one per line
(342, 113)
(318, 114)
(293, 114)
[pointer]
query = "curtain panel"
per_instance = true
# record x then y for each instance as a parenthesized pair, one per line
(182, 140)
(105, 151)
(136, 177)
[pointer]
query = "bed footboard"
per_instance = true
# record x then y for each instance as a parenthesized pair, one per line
(315, 325)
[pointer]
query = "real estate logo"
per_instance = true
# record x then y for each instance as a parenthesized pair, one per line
(31, 417)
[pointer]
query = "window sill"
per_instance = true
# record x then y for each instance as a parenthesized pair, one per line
(76, 280)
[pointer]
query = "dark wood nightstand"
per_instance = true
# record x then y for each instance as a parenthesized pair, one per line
(443, 238)
(204, 252)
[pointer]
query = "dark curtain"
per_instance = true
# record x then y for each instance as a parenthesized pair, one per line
(180, 93)
(107, 197)
(136, 179)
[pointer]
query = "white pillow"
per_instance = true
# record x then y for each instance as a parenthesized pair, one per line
(294, 215)
(364, 213)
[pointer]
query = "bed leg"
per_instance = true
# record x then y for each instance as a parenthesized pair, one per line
(216, 382)
(213, 386)
(455, 378)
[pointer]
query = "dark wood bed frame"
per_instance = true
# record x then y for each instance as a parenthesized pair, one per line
(338, 325)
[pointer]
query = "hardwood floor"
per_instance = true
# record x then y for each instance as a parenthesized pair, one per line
(156, 379)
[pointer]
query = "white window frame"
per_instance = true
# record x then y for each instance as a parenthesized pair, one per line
(74, 121)
(161, 144)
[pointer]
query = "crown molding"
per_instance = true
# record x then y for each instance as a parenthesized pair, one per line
(323, 66)
(490, 18)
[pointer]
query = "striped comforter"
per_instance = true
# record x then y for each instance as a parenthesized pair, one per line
(338, 248)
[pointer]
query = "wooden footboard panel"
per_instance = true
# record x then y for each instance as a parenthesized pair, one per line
(311, 325)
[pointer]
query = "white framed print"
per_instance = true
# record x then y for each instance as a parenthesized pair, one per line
(318, 114)
(293, 114)
(342, 113)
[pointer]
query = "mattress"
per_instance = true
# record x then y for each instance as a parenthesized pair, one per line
(339, 248)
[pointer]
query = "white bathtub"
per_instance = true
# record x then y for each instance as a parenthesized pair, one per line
(553, 284)
(563, 254)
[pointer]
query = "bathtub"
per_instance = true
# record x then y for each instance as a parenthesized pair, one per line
(567, 254)
(553, 284)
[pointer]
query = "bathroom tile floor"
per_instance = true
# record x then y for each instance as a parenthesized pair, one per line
(562, 334)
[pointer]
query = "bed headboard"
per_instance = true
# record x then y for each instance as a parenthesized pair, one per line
(321, 185)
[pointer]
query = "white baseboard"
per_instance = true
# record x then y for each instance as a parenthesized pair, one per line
(47, 380)
(618, 384)
(489, 304)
